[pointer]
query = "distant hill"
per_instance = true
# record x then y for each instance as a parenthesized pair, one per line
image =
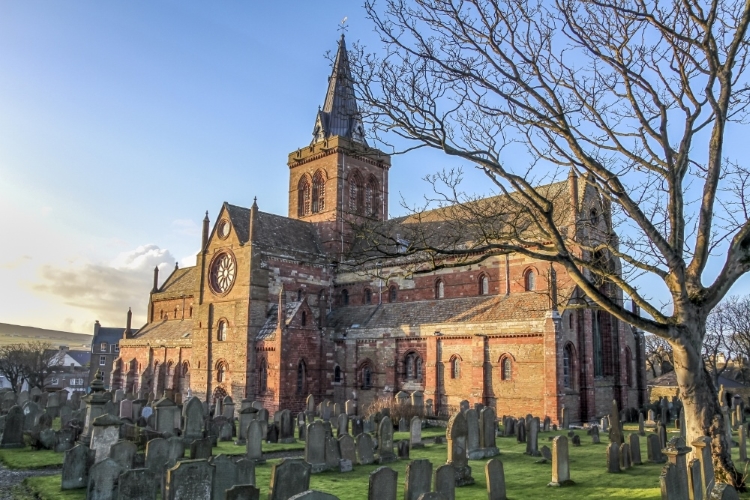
(15, 334)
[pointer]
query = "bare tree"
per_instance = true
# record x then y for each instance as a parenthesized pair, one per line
(633, 96)
(12, 359)
(40, 358)
(736, 314)
(719, 346)
(659, 357)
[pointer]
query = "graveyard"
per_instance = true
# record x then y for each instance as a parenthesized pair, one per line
(163, 449)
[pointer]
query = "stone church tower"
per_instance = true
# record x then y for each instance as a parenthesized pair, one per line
(338, 177)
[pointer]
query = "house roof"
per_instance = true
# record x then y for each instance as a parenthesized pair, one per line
(110, 335)
(180, 282)
(669, 379)
(165, 330)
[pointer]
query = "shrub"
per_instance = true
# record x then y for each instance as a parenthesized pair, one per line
(398, 410)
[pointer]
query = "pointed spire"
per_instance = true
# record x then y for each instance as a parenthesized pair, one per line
(204, 240)
(255, 203)
(156, 279)
(340, 115)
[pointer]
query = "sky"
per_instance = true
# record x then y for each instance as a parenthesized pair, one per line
(121, 123)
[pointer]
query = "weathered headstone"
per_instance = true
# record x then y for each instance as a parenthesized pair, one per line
(641, 431)
(532, 440)
(189, 479)
(444, 481)
(457, 433)
(243, 492)
(75, 469)
(225, 475)
(402, 447)
(383, 484)
(332, 453)
(418, 476)
(565, 418)
(625, 456)
(415, 433)
(192, 411)
(13, 433)
(347, 449)
(315, 446)
(613, 457)
(105, 433)
(104, 480)
(722, 491)
(157, 456)
(342, 424)
(365, 455)
(254, 445)
(595, 435)
(635, 449)
(286, 427)
(385, 441)
(472, 439)
(702, 448)
(495, 477)
(123, 452)
(288, 478)
(488, 432)
(200, 449)
(653, 449)
(560, 462)
(138, 484)
(674, 477)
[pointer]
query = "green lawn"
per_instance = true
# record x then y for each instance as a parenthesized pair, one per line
(525, 479)
(26, 458)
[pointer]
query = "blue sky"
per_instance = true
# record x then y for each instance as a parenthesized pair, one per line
(122, 122)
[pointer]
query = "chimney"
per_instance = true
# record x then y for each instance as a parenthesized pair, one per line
(156, 279)
(553, 287)
(96, 327)
(205, 232)
(253, 215)
(128, 324)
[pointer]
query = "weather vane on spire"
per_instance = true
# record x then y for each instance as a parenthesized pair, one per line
(343, 28)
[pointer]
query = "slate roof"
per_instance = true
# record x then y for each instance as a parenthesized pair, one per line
(272, 318)
(482, 309)
(81, 357)
(275, 232)
(340, 115)
(110, 335)
(669, 379)
(166, 330)
(180, 282)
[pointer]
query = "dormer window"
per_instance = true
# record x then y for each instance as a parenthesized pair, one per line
(103, 347)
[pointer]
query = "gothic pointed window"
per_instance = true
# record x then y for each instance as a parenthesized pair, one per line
(262, 377)
(301, 376)
(318, 193)
(439, 289)
(356, 193)
(303, 197)
(413, 366)
(368, 199)
(392, 294)
(455, 367)
(221, 331)
(366, 374)
(373, 197)
(337, 375)
(221, 372)
(368, 296)
(529, 281)
(598, 351)
(484, 285)
(506, 369)
(567, 366)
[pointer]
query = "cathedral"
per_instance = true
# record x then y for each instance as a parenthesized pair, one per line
(270, 311)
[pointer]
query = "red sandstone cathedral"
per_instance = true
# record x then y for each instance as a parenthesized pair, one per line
(270, 312)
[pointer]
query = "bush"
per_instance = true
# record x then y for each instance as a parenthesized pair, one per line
(398, 410)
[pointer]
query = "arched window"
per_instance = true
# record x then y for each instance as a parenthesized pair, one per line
(392, 294)
(529, 280)
(222, 372)
(366, 374)
(413, 366)
(506, 368)
(368, 296)
(598, 349)
(570, 320)
(337, 374)
(190, 314)
(484, 285)
(303, 319)
(345, 297)
(221, 331)
(439, 289)
(356, 194)
(299, 295)
(262, 376)
(318, 193)
(303, 197)
(455, 367)
(372, 197)
(568, 366)
(301, 376)
(175, 313)
(628, 367)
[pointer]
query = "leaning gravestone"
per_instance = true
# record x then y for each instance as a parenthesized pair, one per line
(494, 474)
(75, 469)
(383, 484)
(138, 484)
(13, 433)
(288, 478)
(123, 452)
(457, 433)
(103, 480)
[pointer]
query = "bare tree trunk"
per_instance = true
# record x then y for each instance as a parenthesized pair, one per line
(703, 415)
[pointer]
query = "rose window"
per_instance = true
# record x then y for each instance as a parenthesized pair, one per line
(223, 272)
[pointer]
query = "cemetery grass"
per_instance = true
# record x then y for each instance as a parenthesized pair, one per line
(27, 458)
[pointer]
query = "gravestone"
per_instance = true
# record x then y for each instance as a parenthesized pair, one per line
(444, 481)
(243, 492)
(488, 432)
(13, 432)
(402, 447)
(200, 449)
(103, 480)
(635, 449)
(613, 457)
(332, 453)
(560, 462)
(75, 468)
(350, 407)
(674, 477)
(403, 426)
(347, 449)
(342, 426)
(722, 491)
(225, 475)
(417, 401)
(288, 478)
(315, 446)
(126, 409)
(286, 427)
(615, 433)
(742, 442)
(165, 411)
(702, 448)
(138, 484)
(123, 452)
(415, 433)
(594, 431)
(472, 439)
(105, 433)
(385, 441)
(189, 479)
(157, 456)
(532, 440)
(565, 418)
(247, 415)
(254, 445)
(661, 431)
(547, 422)
(521, 430)
(494, 474)
(363, 444)
(383, 484)
(575, 440)
(457, 434)
(192, 413)
(418, 477)
(625, 461)
(546, 453)
(357, 426)
(463, 406)
(653, 449)
(641, 431)
(227, 407)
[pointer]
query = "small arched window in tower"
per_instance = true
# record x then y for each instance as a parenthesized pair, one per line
(455, 367)
(337, 374)
(368, 296)
(303, 318)
(301, 376)
(439, 289)
(318, 193)
(303, 197)
(262, 376)
(221, 331)
(529, 280)
(221, 372)
(628, 367)
(372, 197)
(567, 360)
(368, 199)
(356, 193)
(392, 294)
(484, 285)
(506, 369)
(345, 297)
